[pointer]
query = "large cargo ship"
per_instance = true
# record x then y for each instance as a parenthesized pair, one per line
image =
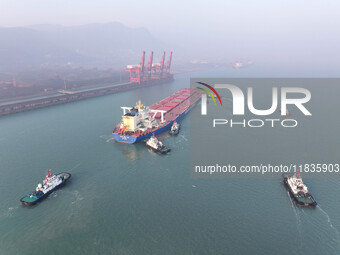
(141, 122)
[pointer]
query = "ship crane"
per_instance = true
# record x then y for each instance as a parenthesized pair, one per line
(158, 68)
(168, 65)
(153, 71)
(126, 109)
(136, 71)
(158, 111)
(162, 112)
(149, 68)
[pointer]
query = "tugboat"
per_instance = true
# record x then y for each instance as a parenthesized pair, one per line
(157, 145)
(174, 130)
(50, 184)
(298, 190)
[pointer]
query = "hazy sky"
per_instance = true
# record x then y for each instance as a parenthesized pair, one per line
(270, 29)
(161, 14)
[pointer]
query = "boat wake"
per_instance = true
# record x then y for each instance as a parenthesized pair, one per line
(329, 221)
(184, 138)
(8, 212)
(107, 138)
(298, 214)
(78, 197)
(75, 167)
(75, 205)
(298, 222)
(54, 194)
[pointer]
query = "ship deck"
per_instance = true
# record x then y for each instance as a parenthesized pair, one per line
(177, 103)
(304, 199)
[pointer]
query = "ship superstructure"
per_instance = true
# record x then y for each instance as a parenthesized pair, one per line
(296, 185)
(298, 190)
(140, 122)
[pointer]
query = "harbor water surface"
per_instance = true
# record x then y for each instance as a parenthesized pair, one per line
(125, 199)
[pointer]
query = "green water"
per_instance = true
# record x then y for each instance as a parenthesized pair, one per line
(125, 199)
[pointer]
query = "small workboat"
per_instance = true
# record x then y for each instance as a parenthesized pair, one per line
(50, 184)
(157, 145)
(174, 130)
(298, 190)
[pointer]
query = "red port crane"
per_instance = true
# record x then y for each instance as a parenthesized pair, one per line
(156, 71)
(149, 68)
(136, 71)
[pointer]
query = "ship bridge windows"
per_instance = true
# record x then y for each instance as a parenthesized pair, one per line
(130, 114)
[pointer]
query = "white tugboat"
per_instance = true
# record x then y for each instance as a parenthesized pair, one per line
(50, 183)
(175, 128)
(298, 190)
(157, 145)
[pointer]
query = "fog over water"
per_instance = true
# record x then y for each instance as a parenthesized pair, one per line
(285, 35)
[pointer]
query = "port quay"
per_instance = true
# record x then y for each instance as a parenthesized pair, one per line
(27, 105)
(141, 75)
